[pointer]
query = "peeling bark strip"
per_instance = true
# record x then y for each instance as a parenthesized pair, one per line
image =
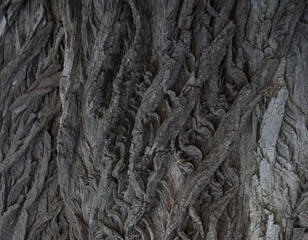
(159, 119)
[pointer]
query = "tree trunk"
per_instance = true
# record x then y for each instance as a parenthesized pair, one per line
(157, 119)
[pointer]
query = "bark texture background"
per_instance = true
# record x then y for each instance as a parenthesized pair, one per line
(157, 119)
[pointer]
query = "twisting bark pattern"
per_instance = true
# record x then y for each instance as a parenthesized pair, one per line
(159, 119)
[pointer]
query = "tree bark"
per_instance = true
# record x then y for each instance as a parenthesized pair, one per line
(158, 119)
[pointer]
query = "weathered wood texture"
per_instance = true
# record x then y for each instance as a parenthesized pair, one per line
(157, 119)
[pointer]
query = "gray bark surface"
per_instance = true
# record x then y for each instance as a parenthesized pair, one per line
(157, 119)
